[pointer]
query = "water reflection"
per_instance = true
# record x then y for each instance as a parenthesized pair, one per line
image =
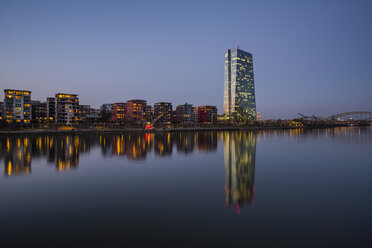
(17, 156)
(184, 193)
(240, 158)
(63, 151)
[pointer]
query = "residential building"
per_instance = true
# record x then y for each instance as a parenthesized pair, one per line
(51, 108)
(67, 108)
(38, 111)
(148, 113)
(94, 111)
(258, 116)
(239, 91)
(119, 111)
(1, 111)
(195, 114)
(135, 110)
(174, 116)
(84, 110)
(164, 109)
(206, 114)
(17, 105)
(184, 114)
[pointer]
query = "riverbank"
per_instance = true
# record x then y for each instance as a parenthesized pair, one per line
(140, 130)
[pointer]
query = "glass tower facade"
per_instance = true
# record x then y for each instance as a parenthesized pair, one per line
(239, 83)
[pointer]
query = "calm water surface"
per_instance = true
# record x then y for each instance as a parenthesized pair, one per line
(291, 188)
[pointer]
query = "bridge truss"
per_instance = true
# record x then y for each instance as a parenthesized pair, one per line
(352, 116)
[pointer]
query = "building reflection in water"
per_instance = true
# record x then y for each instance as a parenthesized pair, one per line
(133, 146)
(68, 149)
(63, 151)
(17, 156)
(240, 158)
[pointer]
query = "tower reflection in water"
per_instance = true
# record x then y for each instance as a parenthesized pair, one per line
(240, 158)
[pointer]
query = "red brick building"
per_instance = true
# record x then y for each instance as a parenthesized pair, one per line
(135, 110)
(206, 114)
(119, 111)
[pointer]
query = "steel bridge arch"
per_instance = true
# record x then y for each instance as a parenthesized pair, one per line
(358, 115)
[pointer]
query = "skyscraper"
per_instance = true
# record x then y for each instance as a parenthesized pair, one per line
(239, 93)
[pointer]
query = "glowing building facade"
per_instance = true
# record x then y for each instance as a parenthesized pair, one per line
(119, 111)
(164, 109)
(17, 106)
(184, 114)
(1, 111)
(239, 92)
(51, 108)
(39, 111)
(148, 113)
(206, 114)
(84, 110)
(67, 109)
(135, 110)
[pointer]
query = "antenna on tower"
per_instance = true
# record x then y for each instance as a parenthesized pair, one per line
(238, 44)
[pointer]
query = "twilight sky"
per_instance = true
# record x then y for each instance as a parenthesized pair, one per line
(312, 57)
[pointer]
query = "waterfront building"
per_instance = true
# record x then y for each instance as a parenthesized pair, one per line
(51, 108)
(239, 90)
(94, 111)
(258, 116)
(148, 113)
(206, 114)
(119, 111)
(1, 111)
(174, 116)
(38, 111)
(164, 109)
(17, 106)
(184, 113)
(135, 110)
(67, 108)
(84, 110)
(195, 114)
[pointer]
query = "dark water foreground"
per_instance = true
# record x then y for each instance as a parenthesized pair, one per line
(288, 188)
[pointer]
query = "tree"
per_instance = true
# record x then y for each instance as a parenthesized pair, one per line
(105, 112)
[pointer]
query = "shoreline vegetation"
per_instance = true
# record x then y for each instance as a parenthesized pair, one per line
(78, 131)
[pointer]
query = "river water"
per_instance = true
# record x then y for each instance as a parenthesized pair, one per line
(276, 188)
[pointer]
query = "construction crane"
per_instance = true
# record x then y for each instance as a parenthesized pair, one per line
(151, 125)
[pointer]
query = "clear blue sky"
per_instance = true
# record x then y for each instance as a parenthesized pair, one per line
(312, 57)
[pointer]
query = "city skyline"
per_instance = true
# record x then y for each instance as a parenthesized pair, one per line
(309, 57)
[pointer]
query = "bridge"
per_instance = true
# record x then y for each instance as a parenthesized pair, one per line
(352, 116)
